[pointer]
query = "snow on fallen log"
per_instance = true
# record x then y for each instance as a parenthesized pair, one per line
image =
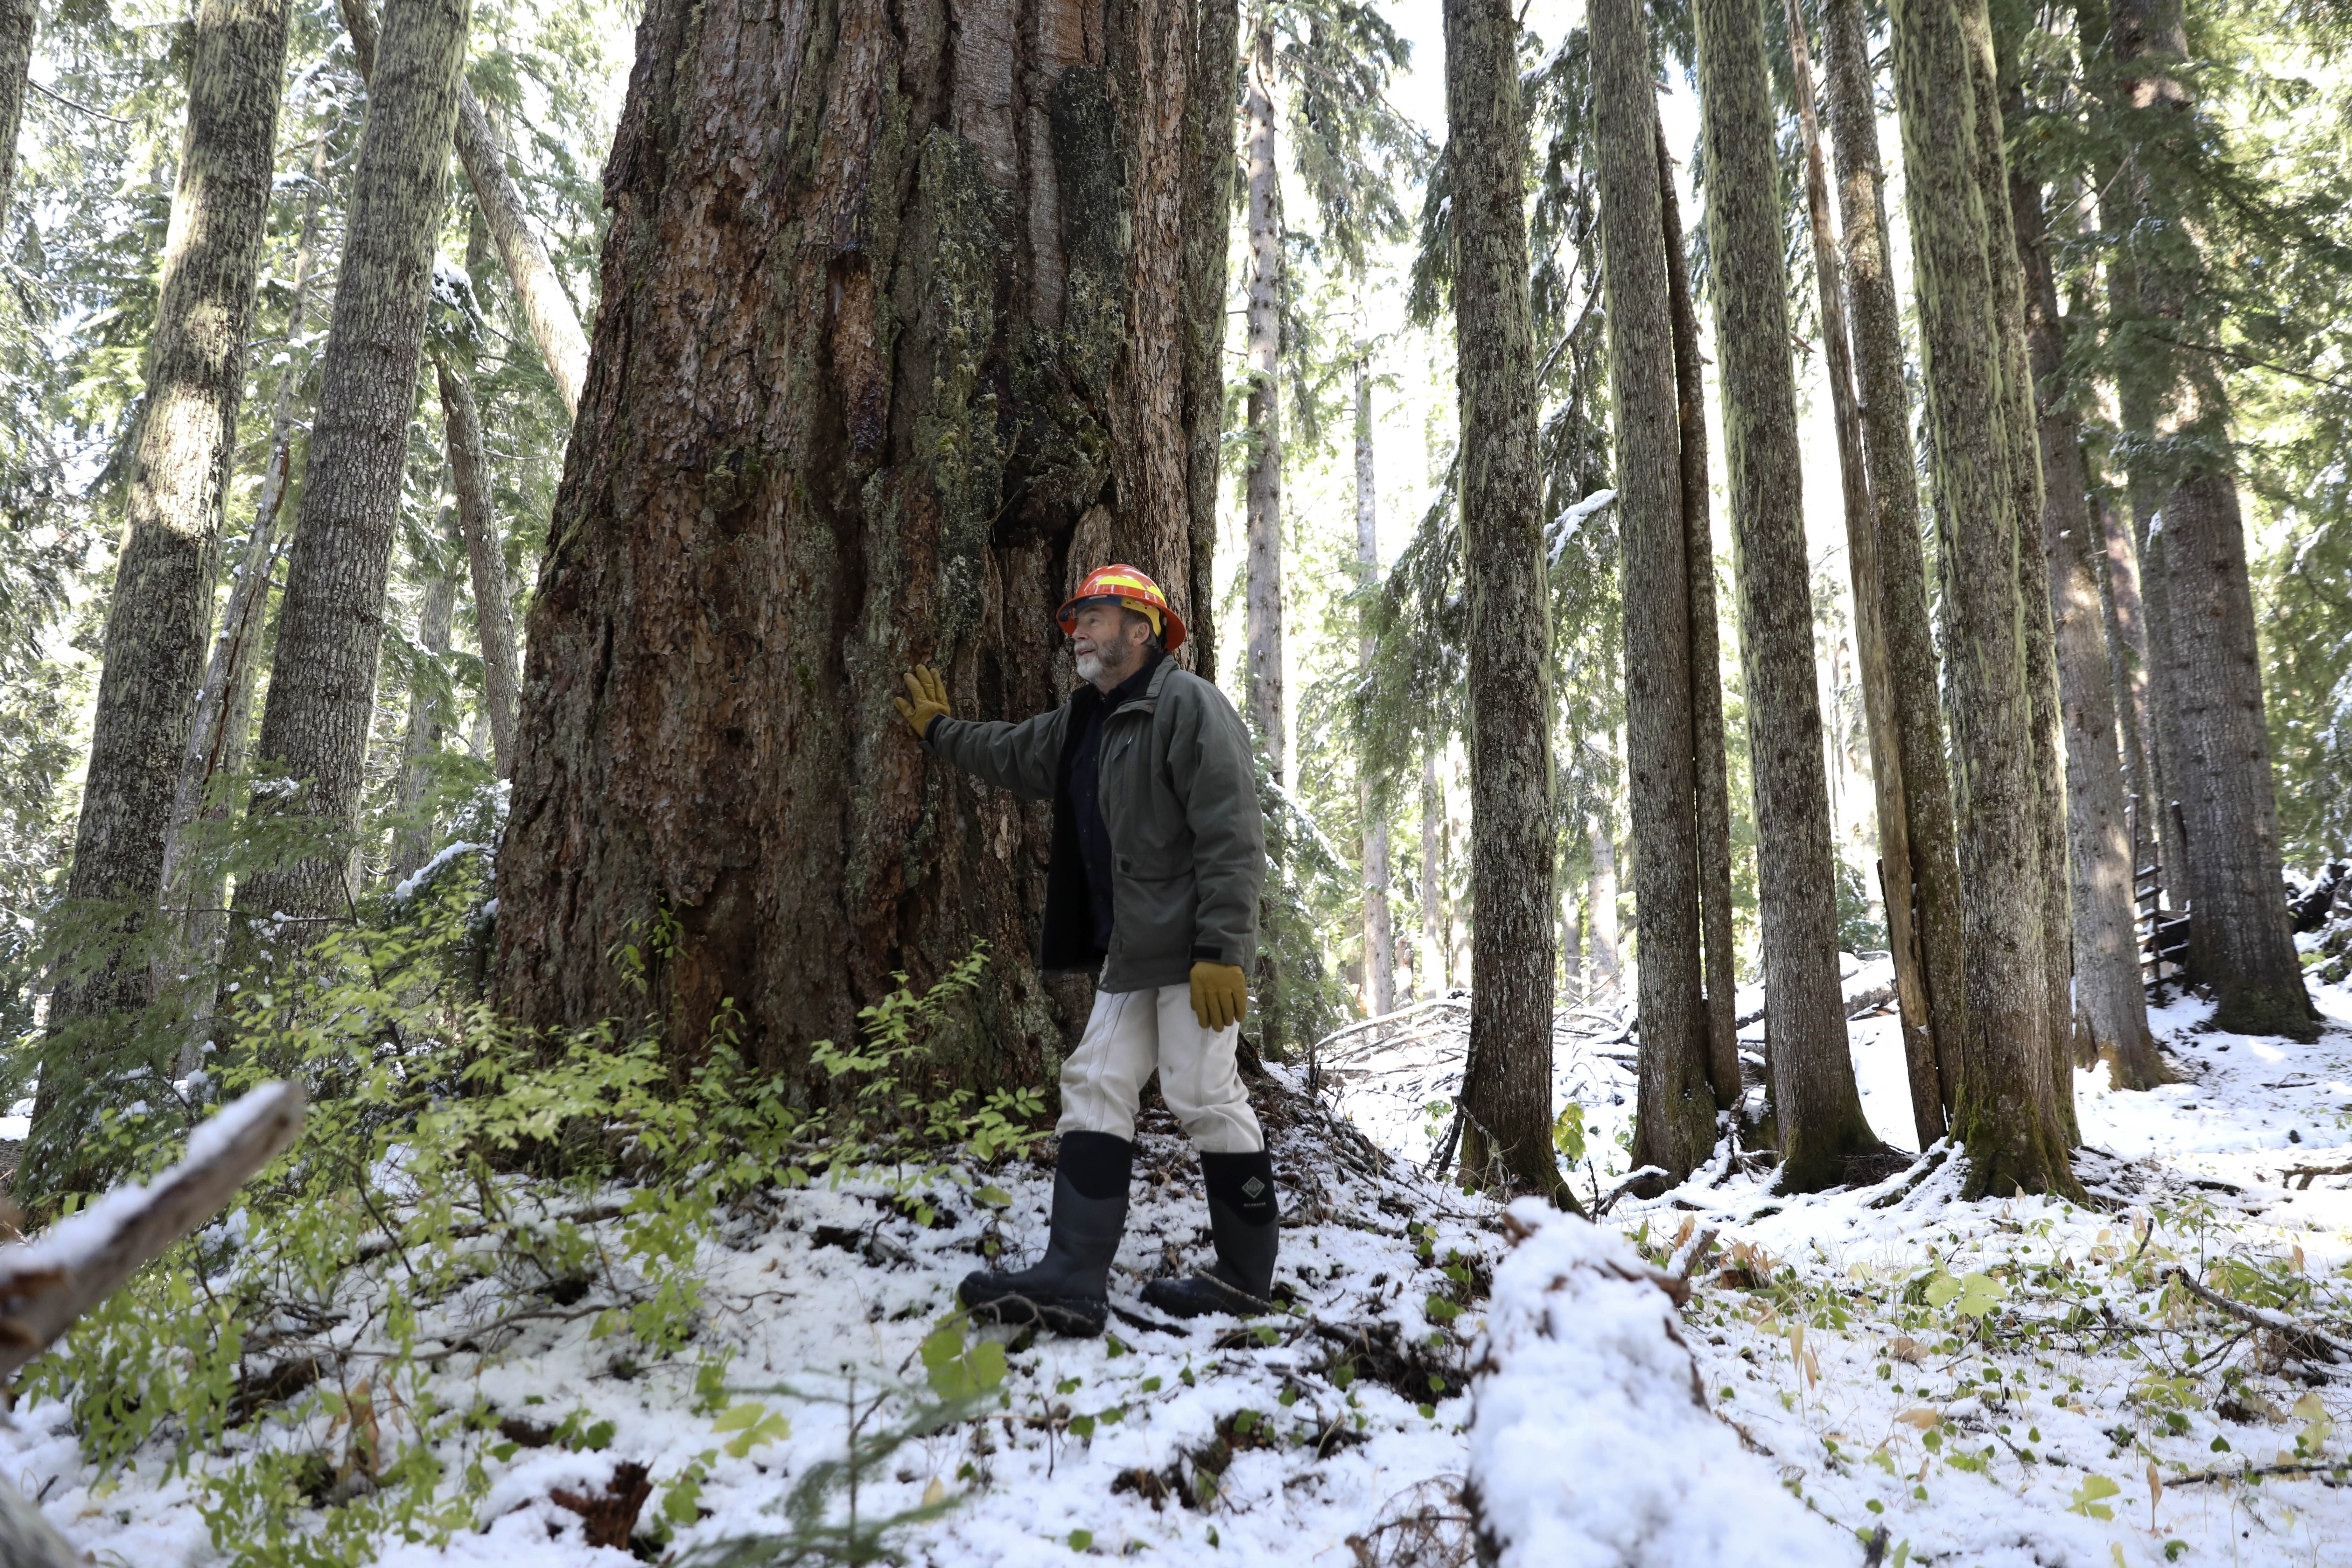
(1592, 1444)
(48, 1282)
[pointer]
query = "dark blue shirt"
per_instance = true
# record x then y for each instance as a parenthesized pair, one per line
(1085, 785)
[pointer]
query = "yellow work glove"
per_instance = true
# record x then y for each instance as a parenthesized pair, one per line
(930, 698)
(1220, 994)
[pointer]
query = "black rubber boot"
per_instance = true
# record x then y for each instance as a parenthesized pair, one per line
(1067, 1291)
(1245, 1221)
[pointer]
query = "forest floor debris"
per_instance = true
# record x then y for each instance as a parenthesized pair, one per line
(1996, 1384)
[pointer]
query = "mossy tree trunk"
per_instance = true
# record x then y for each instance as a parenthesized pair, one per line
(2004, 1117)
(1815, 1102)
(1708, 752)
(893, 342)
(1878, 674)
(547, 310)
(18, 21)
(322, 678)
(161, 610)
(1673, 1126)
(2201, 620)
(1507, 1095)
(2020, 445)
(1934, 894)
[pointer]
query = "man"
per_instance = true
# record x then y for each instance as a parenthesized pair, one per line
(1158, 857)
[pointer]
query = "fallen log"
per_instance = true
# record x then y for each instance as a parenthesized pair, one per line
(48, 1282)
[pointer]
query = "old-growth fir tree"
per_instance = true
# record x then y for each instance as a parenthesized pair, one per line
(1816, 1106)
(1675, 1118)
(2216, 743)
(321, 701)
(18, 22)
(1506, 1091)
(2004, 1116)
(790, 481)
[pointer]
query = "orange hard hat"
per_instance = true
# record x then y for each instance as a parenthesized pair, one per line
(1125, 585)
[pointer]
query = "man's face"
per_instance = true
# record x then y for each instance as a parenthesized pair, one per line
(1105, 641)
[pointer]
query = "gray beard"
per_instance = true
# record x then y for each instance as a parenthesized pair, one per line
(1091, 665)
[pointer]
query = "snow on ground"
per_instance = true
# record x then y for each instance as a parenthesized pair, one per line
(1995, 1384)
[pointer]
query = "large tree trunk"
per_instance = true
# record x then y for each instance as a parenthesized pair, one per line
(1674, 1125)
(322, 704)
(1815, 1102)
(800, 467)
(1709, 756)
(2200, 601)
(1893, 812)
(1507, 1096)
(16, 25)
(1934, 894)
(427, 712)
(547, 310)
(1380, 932)
(2022, 453)
(1262, 611)
(2004, 1116)
(2108, 1006)
(162, 608)
(485, 553)
(195, 876)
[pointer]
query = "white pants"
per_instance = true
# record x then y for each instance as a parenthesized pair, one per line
(1131, 1032)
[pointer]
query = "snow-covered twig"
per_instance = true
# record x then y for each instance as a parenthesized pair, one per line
(2305, 1340)
(47, 1283)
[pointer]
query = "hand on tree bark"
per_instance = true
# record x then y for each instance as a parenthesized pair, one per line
(929, 699)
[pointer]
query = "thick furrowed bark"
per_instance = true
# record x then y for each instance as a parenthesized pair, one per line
(1933, 896)
(1869, 621)
(314, 727)
(893, 344)
(493, 607)
(1708, 758)
(1508, 1092)
(1675, 1120)
(2003, 1117)
(1815, 1102)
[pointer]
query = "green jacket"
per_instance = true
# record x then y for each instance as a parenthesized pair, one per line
(1180, 799)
